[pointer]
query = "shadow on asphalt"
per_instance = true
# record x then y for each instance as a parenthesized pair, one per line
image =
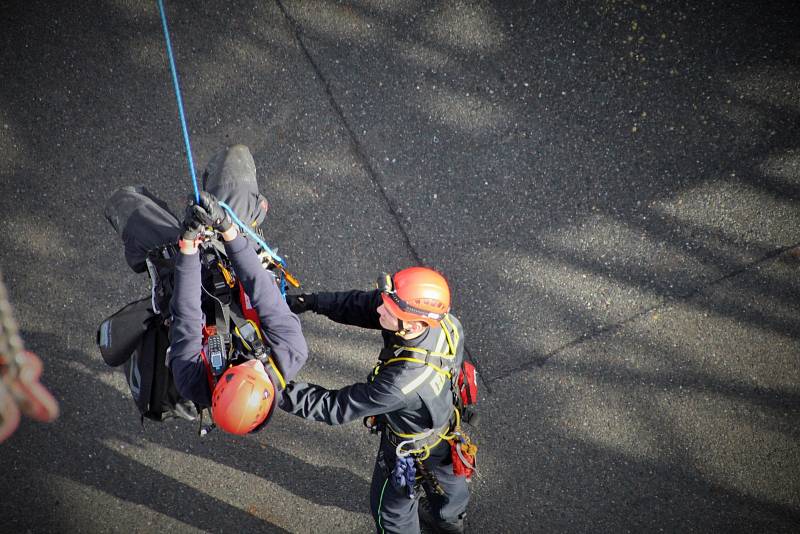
(561, 144)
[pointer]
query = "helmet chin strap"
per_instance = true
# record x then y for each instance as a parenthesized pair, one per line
(408, 330)
(402, 330)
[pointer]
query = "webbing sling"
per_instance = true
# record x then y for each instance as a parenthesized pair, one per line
(250, 314)
(226, 312)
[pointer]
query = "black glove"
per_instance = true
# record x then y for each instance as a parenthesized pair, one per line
(191, 227)
(302, 303)
(210, 213)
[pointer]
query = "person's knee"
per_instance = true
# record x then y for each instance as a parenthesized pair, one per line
(240, 158)
(239, 151)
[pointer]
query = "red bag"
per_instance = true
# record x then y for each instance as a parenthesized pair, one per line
(468, 384)
(463, 455)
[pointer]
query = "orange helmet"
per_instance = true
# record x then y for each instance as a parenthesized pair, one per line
(243, 398)
(416, 294)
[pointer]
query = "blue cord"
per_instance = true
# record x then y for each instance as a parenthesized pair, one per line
(175, 83)
(252, 234)
(260, 241)
(179, 99)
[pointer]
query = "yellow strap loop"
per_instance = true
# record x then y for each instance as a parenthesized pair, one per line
(278, 373)
(423, 362)
(226, 274)
(451, 343)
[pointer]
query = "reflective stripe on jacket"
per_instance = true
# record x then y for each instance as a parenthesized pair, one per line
(412, 397)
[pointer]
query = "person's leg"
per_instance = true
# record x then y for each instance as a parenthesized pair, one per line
(142, 221)
(231, 177)
(230, 167)
(447, 511)
(392, 509)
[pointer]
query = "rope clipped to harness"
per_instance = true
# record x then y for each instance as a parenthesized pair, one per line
(273, 258)
(404, 475)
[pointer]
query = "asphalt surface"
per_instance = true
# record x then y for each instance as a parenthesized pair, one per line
(611, 187)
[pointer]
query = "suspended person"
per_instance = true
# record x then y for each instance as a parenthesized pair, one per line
(233, 341)
(243, 397)
(407, 397)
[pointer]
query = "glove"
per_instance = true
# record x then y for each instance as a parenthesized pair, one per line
(191, 227)
(210, 213)
(302, 303)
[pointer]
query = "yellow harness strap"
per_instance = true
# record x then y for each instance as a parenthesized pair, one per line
(451, 340)
(425, 450)
(423, 362)
(277, 373)
(445, 338)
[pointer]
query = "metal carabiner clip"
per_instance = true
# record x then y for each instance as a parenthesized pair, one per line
(400, 453)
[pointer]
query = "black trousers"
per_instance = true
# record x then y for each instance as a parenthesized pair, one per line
(394, 512)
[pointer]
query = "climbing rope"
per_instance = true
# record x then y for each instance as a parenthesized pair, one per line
(276, 260)
(177, 87)
(20, 390)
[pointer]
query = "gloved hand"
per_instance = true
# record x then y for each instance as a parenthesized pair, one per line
(302, 303)
(210, 213)
(191, 227)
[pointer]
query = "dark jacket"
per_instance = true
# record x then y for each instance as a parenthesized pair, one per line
(279, 325)
(411, 396)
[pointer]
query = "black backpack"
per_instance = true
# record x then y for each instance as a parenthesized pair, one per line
(137, 339)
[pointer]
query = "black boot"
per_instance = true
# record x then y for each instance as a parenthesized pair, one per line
(436, 525)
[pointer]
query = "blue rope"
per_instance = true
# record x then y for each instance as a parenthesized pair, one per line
(179, 99)
(252, 234)
(258, 240)
(175, 83)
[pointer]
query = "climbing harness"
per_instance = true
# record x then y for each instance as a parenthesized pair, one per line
(463, 388)
(414, 440)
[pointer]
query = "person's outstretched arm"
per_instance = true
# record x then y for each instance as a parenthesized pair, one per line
(280, 326)
(186, 332)
(356, 308)
(339, 406)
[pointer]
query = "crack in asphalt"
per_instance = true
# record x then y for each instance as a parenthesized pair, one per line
(664, 303)
(354, 143)
(364, 160)
(540, 361)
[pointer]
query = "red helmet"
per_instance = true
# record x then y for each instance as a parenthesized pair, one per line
(243, 398)
(416, 294)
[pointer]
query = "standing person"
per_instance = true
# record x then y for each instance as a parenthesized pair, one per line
(407, 397)
(243, 397)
